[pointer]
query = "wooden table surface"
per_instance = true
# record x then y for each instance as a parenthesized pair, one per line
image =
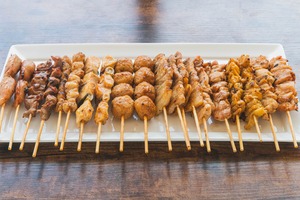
(257, 173)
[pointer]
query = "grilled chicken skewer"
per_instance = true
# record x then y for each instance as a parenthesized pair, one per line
(8, 82)
(35, 95)
(195, 101)
(85, 111)
(72, 90)
(178, 99)
(61, 96)
(26, 72)
(103, 91)
(144, 92)
(220, 93)
(265, 80)
(285, 89)
(122, 103)
(163, 83)
(206, 109)
(235, 86)
(50, 98)
(252, 95)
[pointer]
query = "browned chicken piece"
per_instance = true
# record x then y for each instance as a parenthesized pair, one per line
(7, 88)
(101, 115)
(143, 61)
(78, 57)
(198, 63)
(73, 83)
(144, 106)
(108, 61)
(205, 110)
(27, 70)
(121, 90)
(46, 108)
(37, 87)
(25, 76)
(84, 113)
(196, 97)
(144, 74)
(123, 77)
(222, 110)
(284, 84)
(20, 92)
(177, 98)
(78, 66)
(122, 106)
(124, 65)
(163, 82)
(13, 66)
(61, 95)
(193, 76)
(89, 83)
(265, 80)
(220, 93)
(92, 64)
(144, 89)
(103, 89)
(185, 75)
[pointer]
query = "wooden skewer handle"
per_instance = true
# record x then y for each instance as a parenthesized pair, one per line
(292, 129)
(146, 134)
(14, 129)
(206, 136)
(37, 142)
(237, 119)
(167, 129)
(25, 133)
(57, 129)
(1, 116)
(80, 137)
(62, 143)
(97, 150)
(122, 135)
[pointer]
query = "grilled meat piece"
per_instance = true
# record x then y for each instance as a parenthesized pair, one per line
(13, 66)
(122, 106)
(144, 106)
(144, 74)
(108, 61)
(123, 77)
(84, 112)
(121, 90)
(143, 61)
(144, 89)
(124, 65)
(101, 115)
(7, 87)
(26, 70)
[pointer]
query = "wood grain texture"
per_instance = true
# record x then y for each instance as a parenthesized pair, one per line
(257, 173)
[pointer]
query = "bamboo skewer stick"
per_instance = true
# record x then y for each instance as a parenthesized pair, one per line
(57, 129)
(274, 134)
(62, 143)
(238, 124)
(25, 133)
(186, 137)
(97, 150)
(14, 128)
(206, 136)
(230, 136)
(257, 128)
(146, 134)
(184, 119)
(167, 129)
(1, 116)
(122, 135)
(80, 137)
(37, 142)
(198, 127)
(292, 129)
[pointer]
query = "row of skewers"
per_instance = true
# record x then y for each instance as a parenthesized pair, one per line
(244, 88)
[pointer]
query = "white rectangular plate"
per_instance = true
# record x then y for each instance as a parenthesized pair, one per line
(134, 127)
